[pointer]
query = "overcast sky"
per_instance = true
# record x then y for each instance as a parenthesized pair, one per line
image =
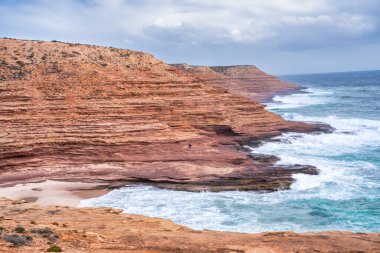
(280, 36)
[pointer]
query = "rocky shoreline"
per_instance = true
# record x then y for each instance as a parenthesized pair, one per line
(36, 229)
(96, 114)
(111, 117)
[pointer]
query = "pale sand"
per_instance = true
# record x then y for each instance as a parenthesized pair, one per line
(53, 192)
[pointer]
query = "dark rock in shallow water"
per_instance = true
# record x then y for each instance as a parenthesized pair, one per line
(322, 128)
(251, 142)
(347, 132)
(297, 168)
(263, 158)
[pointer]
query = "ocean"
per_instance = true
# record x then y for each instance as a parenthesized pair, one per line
(344, 196)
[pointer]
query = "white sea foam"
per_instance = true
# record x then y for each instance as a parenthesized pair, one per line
(338, 180)
(309, 96)
(352, 135)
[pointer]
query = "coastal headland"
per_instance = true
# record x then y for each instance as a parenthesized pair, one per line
(96, 118)
(96, 114)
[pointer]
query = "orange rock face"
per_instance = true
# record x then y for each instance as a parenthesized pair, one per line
(107, 230)
(247, 81)
(87, 113)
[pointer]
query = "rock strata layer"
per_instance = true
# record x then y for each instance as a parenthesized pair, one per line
(88, 113)
(35, 229)
(248, 81)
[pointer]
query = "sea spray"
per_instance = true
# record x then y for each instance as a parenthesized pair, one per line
(344, 196)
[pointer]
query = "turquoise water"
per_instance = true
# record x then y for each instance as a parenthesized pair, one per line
(344, 196)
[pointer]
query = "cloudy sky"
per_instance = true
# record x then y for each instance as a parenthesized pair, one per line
(280, 36)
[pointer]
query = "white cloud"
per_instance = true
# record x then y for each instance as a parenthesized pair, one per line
(145, 24)
(217, 21)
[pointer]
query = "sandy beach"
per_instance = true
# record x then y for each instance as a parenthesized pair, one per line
(53, 192)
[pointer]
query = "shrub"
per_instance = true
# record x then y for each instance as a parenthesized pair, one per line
(19, 229)
(42, 231)
(54, 248)
(45, 233)
(18, 240)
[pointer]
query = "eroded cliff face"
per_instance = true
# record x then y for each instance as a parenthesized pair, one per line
(37, 228)
(88, 113)
(244, 80)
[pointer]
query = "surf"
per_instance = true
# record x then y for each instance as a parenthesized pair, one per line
(343, 196)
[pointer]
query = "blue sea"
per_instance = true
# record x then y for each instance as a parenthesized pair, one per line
(344, 196)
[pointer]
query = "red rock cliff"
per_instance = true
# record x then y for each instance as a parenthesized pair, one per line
(244, 80)
(88, 113)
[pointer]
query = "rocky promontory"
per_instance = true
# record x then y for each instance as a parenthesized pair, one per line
(245, 80)
(88, 113)
(105, 117)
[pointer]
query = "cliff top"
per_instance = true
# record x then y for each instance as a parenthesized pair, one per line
(81, 112)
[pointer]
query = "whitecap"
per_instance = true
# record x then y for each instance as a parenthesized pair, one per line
(312, 203)
(306, 97)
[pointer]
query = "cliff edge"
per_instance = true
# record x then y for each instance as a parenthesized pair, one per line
(245, 80)
(89, 113)
(30, 228)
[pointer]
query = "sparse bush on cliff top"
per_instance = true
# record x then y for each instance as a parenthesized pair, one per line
(18, 240)
(41, 231)
(45, 233)
(54, 248)
(19, 229)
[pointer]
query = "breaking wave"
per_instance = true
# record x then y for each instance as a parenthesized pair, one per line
(344, 196)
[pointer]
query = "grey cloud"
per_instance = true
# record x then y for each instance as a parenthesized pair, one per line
(182, 26)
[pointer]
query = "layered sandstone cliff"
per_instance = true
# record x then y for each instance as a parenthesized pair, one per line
(244, 80)
(35, 229)
(88, 113)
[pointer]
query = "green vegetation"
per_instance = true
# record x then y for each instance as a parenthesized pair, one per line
(19, 229)
(54, 248)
